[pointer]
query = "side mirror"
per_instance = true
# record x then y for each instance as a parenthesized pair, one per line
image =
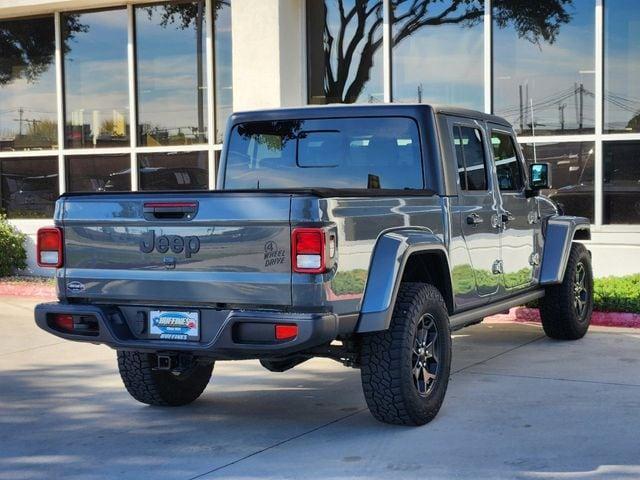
(539, 176)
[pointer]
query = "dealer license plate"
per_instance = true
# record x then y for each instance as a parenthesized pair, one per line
(172, 325)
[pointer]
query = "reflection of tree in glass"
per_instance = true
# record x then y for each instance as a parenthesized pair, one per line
(274, 135)
(28, 52)
(361, 26)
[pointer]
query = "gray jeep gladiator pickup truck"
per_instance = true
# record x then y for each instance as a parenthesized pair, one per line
(364, 234)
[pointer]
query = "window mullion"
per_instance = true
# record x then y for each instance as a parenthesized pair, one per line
(133, 118)
(599, 99)
(62, 178)
(211, 90)
(387, 40)
(488, 48)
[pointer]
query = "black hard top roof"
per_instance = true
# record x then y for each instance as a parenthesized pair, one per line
(361, 110)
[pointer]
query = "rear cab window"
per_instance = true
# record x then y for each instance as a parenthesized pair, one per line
(363, 152)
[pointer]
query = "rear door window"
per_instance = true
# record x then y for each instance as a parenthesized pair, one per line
(508, 166)
(379, 153)
(470, 156)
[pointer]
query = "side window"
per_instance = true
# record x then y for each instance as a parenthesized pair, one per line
(508, 165)
(470, 157)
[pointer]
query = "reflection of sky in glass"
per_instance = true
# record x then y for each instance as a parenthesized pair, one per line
(551, 75)
(439, 63)
(167, 75)
(622, 66)
(32, 101)
(223, 70)
(96, 88)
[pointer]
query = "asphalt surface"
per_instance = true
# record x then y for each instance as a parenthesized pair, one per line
(519, 406)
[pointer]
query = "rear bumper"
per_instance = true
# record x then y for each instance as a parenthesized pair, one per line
(116, 329)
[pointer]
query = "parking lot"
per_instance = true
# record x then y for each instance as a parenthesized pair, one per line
(518, 406)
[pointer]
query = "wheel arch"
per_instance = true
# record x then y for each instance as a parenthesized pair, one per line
(402, 255)
(560, 233)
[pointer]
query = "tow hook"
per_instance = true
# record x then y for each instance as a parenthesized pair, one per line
(174, 362)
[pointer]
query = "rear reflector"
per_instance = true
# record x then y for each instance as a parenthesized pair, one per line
(308, 250)
(286, 332)
(49, 247)
(63, 322)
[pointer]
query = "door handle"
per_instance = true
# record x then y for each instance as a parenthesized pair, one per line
(507, 217)
(474, 219)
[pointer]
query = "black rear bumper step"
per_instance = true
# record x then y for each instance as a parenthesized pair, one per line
(314, 329)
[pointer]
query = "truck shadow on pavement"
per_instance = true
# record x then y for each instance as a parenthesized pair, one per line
(65, 417)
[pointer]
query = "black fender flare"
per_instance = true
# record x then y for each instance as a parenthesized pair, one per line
(388, 261)
(560, 233)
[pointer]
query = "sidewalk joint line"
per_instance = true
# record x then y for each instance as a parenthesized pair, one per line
(499, 354)
(533, 377)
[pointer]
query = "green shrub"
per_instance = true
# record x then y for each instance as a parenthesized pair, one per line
(14, 255)
(613, 294)
(617, 294)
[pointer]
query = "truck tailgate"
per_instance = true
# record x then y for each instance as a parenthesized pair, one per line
(200, 248)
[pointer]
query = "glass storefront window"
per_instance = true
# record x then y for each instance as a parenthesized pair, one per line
(223, 70)
(621, 182)
(103, 173)
(571, 166)
(621, 66)
(438, 53)
(173, 171)
(171, 74)
(344, 51)
(28, 186)
(95, 76)
(544, 67)
(28, 119)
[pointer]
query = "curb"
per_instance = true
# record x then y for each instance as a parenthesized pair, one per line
(600, 319)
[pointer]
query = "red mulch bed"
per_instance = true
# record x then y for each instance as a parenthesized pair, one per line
(42, 290)
(519, 314)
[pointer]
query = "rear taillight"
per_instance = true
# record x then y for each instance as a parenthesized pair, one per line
(49, 247)
(308, 248)
(63, 322)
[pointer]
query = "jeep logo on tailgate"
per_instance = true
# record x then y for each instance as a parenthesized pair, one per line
(164, 243)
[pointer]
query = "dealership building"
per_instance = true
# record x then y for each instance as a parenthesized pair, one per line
(107, 96)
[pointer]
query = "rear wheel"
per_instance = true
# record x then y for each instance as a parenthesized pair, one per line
(147, 384)
(566, 308)
(405, 369)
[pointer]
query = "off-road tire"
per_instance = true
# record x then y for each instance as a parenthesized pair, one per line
(387, 368)
(561, 317)
(160, 387)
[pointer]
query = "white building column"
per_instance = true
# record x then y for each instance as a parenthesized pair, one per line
(268, 54)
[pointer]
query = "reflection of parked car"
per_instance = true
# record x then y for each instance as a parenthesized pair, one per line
(174, 178)
(572, 175)
(364, 234)
(32, 194)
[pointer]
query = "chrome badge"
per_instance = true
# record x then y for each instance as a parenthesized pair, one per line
(75, 287)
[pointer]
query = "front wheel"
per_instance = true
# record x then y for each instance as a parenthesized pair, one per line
(405, 369)
(165, 388)
(566, 308)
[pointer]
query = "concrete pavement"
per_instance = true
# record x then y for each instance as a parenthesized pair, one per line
(518, 406)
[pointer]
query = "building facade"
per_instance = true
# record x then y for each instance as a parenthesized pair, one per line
(109, 95)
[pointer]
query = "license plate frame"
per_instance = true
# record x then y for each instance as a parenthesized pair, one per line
(174, 325)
